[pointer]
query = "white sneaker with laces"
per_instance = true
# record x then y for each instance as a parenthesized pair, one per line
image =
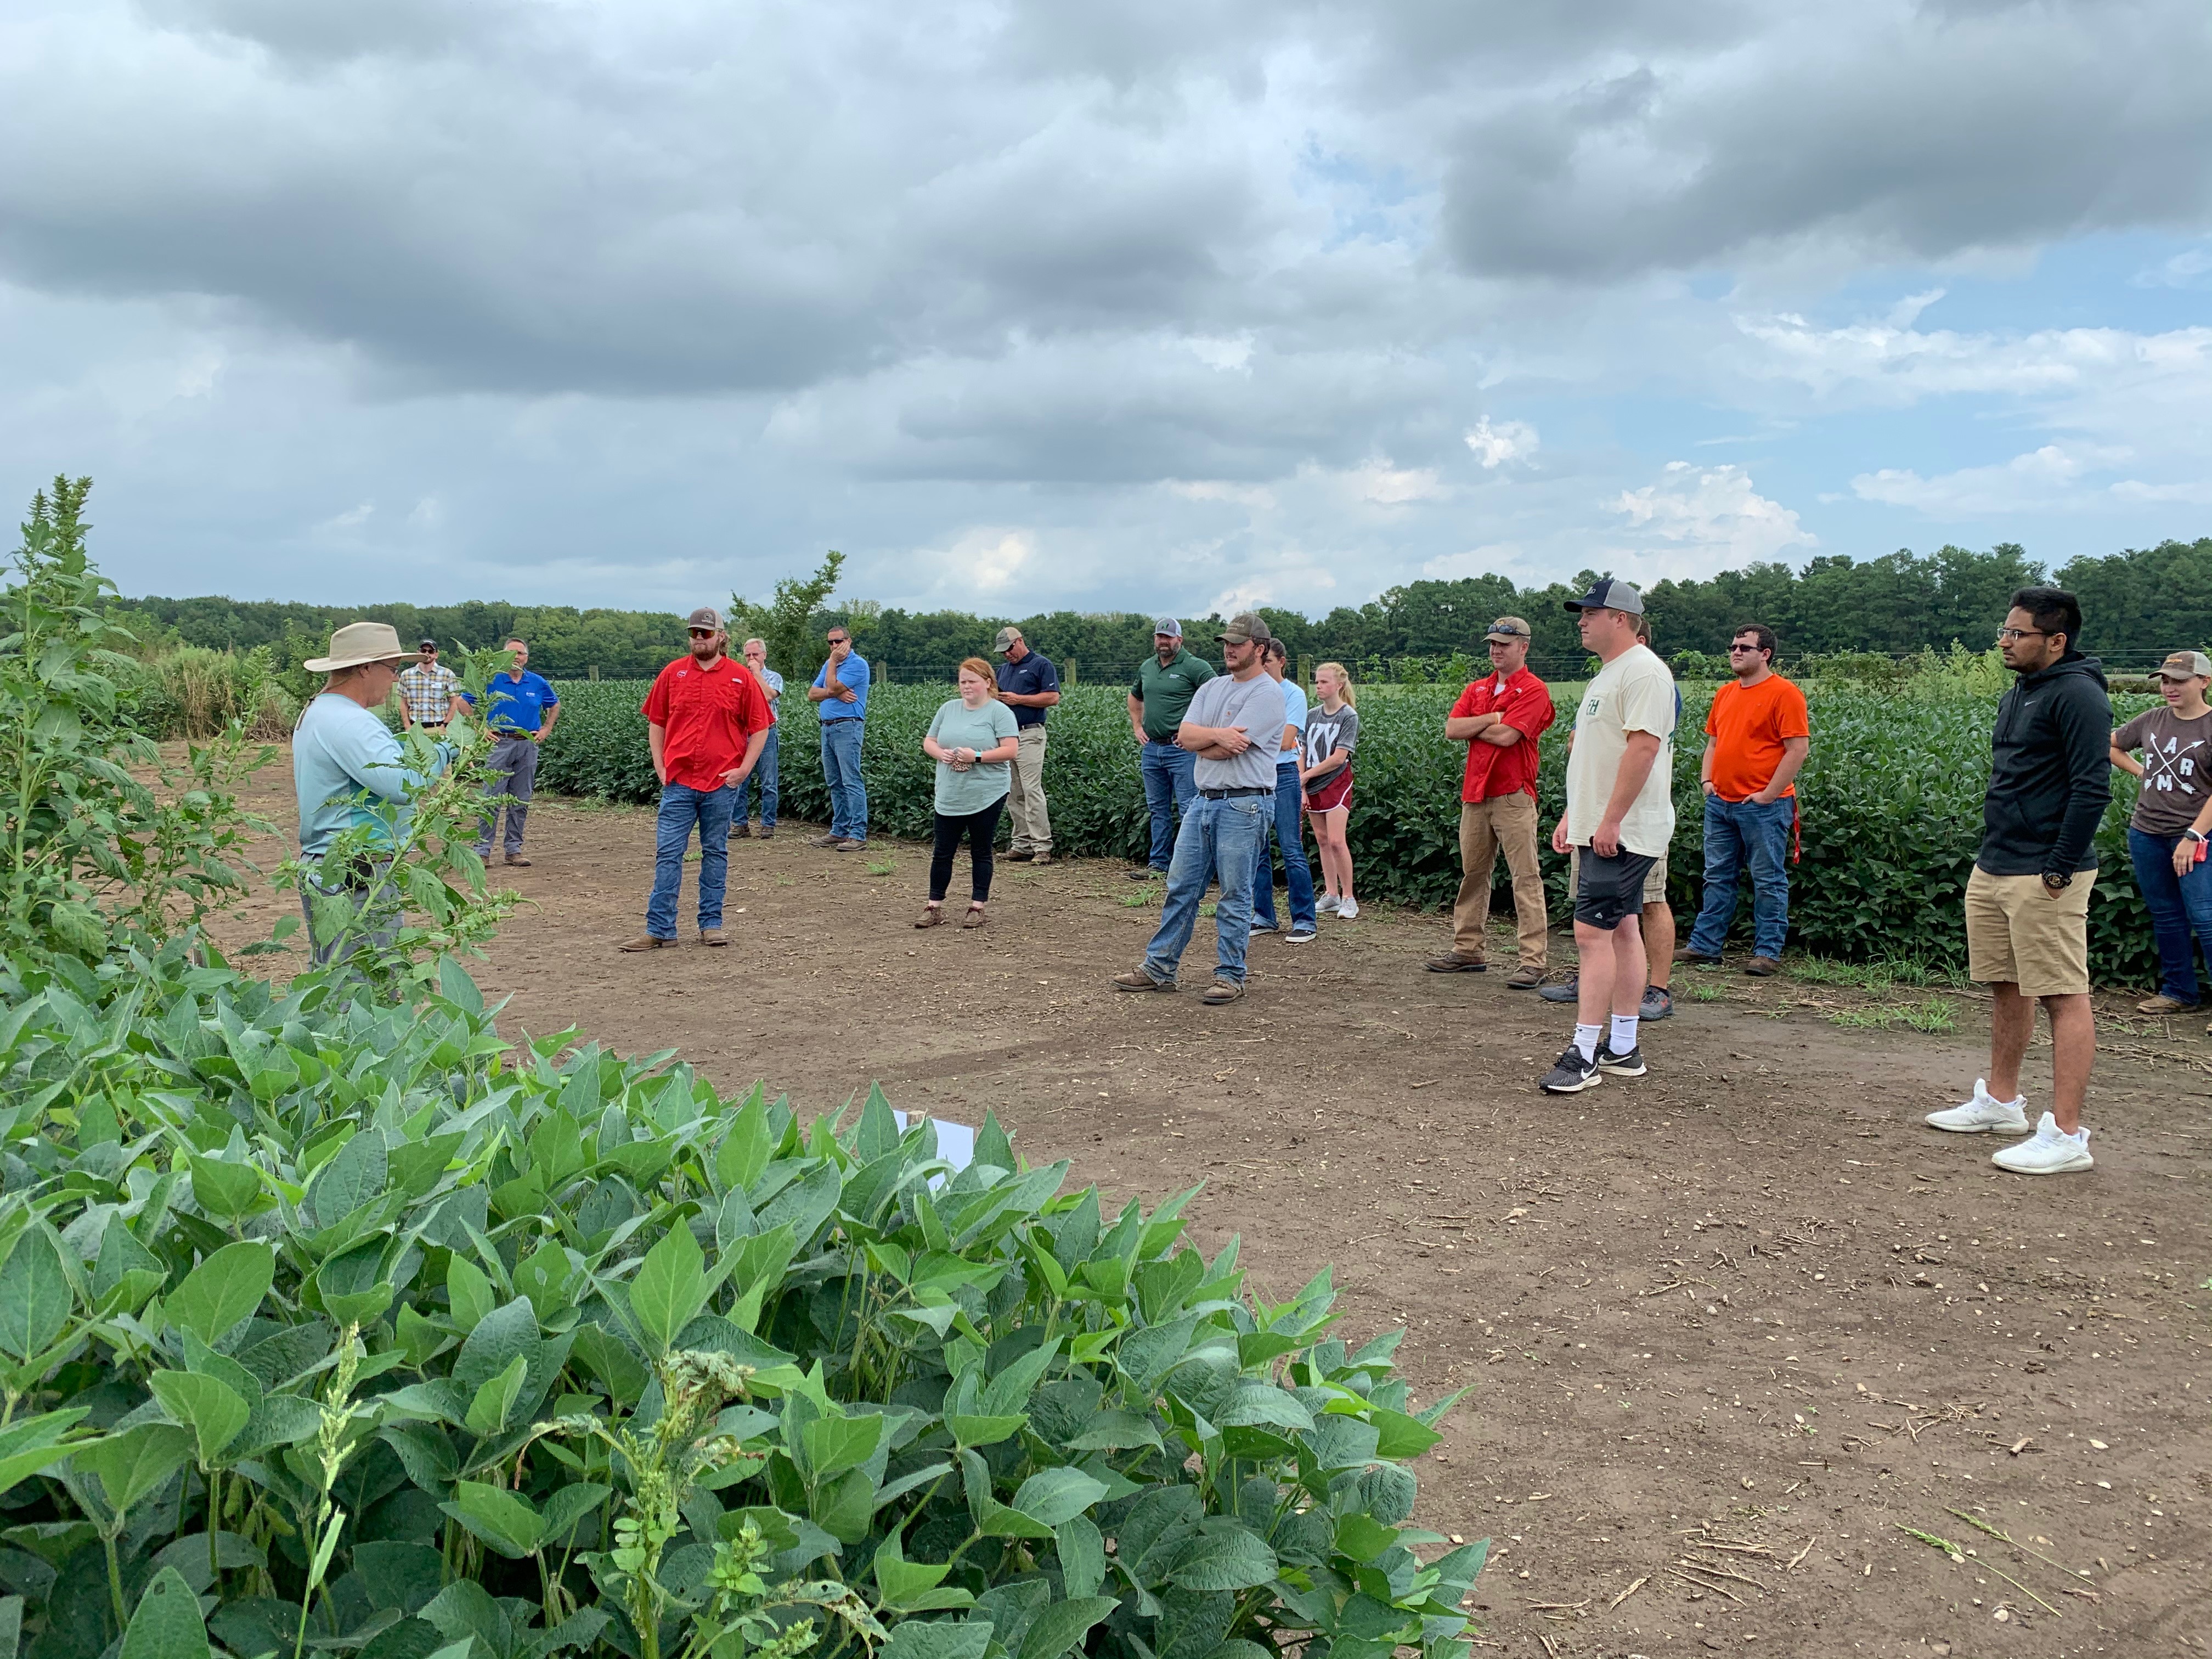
(1983, 1114)
(2048, 1150)
(1346, 909)
(1325, 904)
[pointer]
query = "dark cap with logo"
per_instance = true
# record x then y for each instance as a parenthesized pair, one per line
(1610, 594)
(1244, 629)
(705, 617)
(426, 645)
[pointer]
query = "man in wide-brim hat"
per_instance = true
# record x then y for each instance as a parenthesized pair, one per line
(346, 765)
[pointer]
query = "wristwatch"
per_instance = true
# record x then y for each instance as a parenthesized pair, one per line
(2058, 878)
(2193, 834)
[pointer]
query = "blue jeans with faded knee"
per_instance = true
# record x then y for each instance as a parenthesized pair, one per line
(1169, 780)
(1740, 833)
(1221, 839)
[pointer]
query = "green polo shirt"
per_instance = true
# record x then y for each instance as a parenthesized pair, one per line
(1166, 692)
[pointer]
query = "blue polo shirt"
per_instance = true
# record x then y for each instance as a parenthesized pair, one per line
(1031, 675)
(853, 672)
(516, 706)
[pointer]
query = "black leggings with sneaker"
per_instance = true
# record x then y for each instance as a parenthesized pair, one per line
(980, 828)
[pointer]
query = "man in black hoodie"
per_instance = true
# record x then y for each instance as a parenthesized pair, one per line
(2028, 900)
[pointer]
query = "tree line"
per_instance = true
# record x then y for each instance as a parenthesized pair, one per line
(2139, 604)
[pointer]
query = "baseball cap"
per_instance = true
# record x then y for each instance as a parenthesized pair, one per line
(426, 645)
(1610, 593)
(1006, 640)
(705, 617)
(1508, 627)
(1244, 629)
(1167, 625)
(2184, 664)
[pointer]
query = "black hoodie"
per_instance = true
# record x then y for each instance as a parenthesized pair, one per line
(2050, 773)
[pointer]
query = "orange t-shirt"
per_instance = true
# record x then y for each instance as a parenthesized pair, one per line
(1747, 726)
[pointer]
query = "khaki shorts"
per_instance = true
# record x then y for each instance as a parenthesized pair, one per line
(1654, 884)
(2016, 933)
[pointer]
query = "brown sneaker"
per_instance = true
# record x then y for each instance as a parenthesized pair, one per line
(1762, 967)
(931, 915)
(1684, 953)
(1040, 860)
(974, 918)
(2163, 1004)
(1453, 962)
(823, 841)
(767, 834)
(648, 942)
(1019, 855)
(1525, 978)
(518, 860)
(713, 936)
(1138, 980)
(847, 845)
(743, 832)
(1223, 990)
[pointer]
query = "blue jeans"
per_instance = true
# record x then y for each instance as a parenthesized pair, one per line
(763, 773)
(2180, 911)
(840, 770)
(682, 809)
(1219, 838)
(1169, 782)
(1738, 833)
(1290, 836)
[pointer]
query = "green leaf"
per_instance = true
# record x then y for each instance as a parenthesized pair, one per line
(1263, 1405)
(468, 1292)
(507, 1330)
(222, 1289)
(1052, 1496)
(1363, 1538)
(35, 1298)
(1004, 1521)
(1082, 1557)
(350, 1179)
(131, 1464)
(602, 1353)
(167, 1624)
(982, 1430)
(498, 1516)
(938, 1638)
(458, 989)
(1401, 1436)
(209, 1408)
(1221, 1555)
(1061, 1625)
(834, 1444)
(489, 1409)
(671, 1286)
(911, 1586)
(35, 1444)
(1116, 1430)
(570, 1504)
(225, 1190)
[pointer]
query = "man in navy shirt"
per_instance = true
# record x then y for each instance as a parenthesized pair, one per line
(521, 715)
(1029, 685)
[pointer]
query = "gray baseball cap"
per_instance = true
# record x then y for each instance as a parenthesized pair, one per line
(1610, 594)
(1245, 628)
(705, 617)
(1167, 625)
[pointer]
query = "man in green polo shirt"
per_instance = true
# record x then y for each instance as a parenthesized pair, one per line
(1165, 683)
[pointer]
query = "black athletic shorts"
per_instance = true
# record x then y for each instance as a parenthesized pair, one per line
(1610, 889)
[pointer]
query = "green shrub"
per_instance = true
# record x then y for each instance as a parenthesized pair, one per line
(387, 1334)
(1892, 792)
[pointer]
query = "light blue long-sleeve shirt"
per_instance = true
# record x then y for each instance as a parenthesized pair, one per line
(344, 762)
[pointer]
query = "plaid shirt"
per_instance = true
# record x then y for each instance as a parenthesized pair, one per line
(429, 692)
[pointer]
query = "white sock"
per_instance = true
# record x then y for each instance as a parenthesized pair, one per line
(1586, 1038)
(1624, 1033)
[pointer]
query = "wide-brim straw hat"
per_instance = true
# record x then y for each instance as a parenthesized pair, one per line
(357, 643)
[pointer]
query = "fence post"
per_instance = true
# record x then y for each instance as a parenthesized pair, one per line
(595, 673)
(1069, 678)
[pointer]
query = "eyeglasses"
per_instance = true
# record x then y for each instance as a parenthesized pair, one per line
(1735, 648)
(702, 633)
(2008, 635)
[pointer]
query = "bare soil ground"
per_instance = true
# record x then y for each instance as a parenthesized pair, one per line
(1724, 1329)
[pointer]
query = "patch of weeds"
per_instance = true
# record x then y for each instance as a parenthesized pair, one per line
(1930, 1014)
(1133, 900)
(1915, 973)
(886, 867)
(1205, 909)
(1701, 992)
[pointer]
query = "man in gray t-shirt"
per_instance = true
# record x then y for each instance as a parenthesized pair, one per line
(1234, 726)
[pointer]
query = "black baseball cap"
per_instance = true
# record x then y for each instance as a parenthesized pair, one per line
(1610, 594)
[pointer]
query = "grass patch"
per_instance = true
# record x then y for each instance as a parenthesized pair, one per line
(1929, 1014)
(1702, 993)
(886, 867)
(1913, 973)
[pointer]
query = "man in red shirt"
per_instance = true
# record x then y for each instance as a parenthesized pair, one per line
(1500, 718)
(707, 719)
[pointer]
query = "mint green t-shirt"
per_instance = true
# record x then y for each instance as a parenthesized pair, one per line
(959, 726)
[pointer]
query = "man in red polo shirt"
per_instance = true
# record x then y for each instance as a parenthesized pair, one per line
(707, 719)
(1500, 718)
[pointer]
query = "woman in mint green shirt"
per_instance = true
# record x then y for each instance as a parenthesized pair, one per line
(974, 743)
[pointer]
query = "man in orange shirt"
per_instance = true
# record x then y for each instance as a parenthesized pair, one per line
(1756, 737)
(1499, 717)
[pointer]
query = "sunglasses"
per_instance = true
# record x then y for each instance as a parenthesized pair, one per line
(1735, 648)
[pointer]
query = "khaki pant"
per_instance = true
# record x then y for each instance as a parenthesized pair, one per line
(1025, 794)
(1506, 822)
(2018, 933)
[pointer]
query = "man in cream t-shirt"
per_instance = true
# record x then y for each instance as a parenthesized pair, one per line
(1619, 818)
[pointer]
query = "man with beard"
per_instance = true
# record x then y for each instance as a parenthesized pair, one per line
(707, 719)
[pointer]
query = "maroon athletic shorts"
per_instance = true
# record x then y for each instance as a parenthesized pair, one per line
(1335, 791)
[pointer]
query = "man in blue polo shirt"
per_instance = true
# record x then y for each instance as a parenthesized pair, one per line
(840, 693)
(521, 715)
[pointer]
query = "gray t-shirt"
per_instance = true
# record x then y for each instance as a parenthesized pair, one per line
(1325, 733)
(2174, 776)
(1253, 706)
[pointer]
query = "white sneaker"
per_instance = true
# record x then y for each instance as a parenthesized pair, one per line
(1346, 909)
(1983, 1114)
(2047, 1151)
(1325, 904)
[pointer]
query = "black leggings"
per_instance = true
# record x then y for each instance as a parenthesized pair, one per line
(980, 828)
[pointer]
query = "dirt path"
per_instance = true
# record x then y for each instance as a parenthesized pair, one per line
(1760, 1315)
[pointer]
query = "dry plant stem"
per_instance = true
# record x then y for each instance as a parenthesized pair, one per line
(1958, 1554)
(1697, 1583)
(1630, 1591)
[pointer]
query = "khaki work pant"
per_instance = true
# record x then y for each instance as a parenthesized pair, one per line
(1507, 824)
(1025, 794)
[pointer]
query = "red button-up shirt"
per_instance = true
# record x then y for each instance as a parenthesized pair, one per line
(708, 715)
(1525, 704)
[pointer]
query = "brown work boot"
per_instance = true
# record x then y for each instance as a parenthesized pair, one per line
(1525, 978)
(648, 942)
(2162, 1004)
(974, 917)
(823, 841)
(1019, 855)
(1684, 953)
(713, 936)
(518, 860)
(743, 832)
(1762, 967)
(1223, 990)
(931, 916)
(1040, 860)
(767, 833)
(1453, 962)
(1138, 980)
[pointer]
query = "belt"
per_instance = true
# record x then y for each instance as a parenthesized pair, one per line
(1236, 794)
(505, 732)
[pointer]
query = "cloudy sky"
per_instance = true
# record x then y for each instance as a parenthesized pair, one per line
(1153, 303)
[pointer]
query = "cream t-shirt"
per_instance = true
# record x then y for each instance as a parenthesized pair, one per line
(1634, 692)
